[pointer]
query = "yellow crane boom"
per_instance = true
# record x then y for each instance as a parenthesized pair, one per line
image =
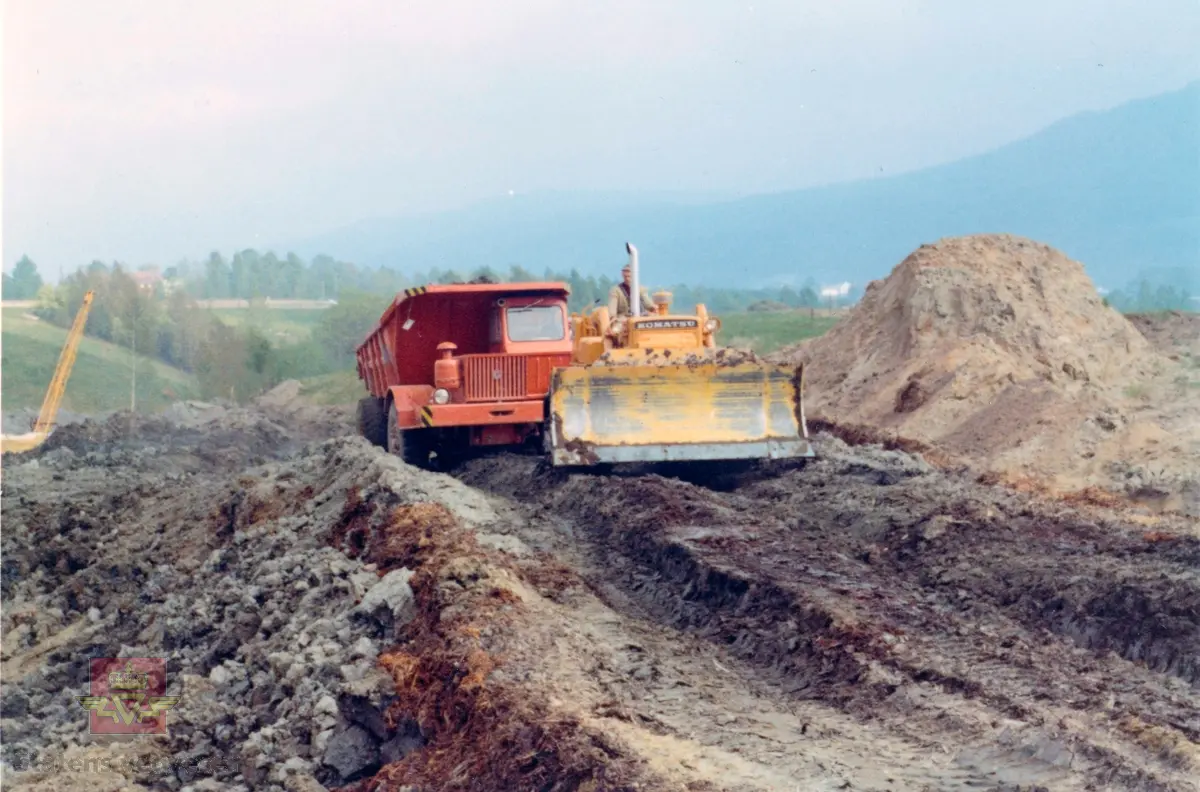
(58, 386)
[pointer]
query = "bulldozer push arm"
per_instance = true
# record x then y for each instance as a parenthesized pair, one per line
(654, 413)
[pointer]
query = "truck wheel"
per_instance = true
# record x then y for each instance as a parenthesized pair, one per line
(411, 445)
(372, 421)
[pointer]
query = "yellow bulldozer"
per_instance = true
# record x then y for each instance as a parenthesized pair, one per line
(657, 388)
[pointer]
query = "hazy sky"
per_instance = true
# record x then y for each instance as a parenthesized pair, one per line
(148, 131)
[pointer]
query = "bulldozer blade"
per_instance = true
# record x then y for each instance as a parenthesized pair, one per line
(648, 413)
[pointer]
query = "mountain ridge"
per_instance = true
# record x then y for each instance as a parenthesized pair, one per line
(1117, 189)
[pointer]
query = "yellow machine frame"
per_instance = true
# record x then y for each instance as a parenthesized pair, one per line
(58, 386)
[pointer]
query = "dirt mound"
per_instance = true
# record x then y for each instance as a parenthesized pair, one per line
(998, 350)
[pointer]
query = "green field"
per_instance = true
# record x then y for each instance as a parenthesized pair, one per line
(281, 325)
(100, 379)
(763, 332)
(340, 387)
(767, 331)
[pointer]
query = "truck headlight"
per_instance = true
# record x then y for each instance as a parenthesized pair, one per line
(441, 396)
(712, 325)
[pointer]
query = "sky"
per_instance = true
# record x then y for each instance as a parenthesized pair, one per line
(146, 132)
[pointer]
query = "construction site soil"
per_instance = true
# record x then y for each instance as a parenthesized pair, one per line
(334, 618)
(999, 352)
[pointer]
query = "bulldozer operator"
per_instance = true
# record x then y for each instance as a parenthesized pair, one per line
(618, 296)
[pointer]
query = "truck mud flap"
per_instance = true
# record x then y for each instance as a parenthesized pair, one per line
(647, 413)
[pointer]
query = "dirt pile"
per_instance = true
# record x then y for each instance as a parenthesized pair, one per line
(998, 350)
(324, 615)
(271, 636)
(335, 619)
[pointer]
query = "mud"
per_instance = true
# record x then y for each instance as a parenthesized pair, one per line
(1048, 639)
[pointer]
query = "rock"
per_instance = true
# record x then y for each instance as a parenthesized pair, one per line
(352, 753)
(14, 703)
(206, 785)
(390, 600)
(400, 746)
(302, 782)
(326, 710)
(505, 543)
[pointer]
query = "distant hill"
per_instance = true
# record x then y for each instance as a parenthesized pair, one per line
(1118, 190)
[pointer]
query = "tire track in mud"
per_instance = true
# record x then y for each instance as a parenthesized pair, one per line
(1038, 641)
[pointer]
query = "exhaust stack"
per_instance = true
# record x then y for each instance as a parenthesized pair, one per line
(635, 292)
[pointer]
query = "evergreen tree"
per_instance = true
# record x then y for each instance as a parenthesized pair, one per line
(24, 282)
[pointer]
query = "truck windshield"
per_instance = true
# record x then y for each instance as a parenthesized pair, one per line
(536, 323)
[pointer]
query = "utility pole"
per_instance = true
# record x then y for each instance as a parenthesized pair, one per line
(133, 359)
(133, 370)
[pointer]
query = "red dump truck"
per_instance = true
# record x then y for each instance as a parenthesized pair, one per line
(450, 367)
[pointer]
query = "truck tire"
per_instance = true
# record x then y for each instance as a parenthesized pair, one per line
(411, 445)
(372, 421)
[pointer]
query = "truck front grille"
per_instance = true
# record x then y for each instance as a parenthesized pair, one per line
(495, 377)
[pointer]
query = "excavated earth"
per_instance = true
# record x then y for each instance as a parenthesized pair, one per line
(335, 619)
(998, 351)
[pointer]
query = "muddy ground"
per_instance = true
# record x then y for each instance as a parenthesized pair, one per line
(334, 618)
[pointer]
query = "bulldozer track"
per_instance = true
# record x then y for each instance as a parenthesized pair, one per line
(1025, 643)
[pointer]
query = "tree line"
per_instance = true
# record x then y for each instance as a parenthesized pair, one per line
(163, 318)
(229, 360)
(250, 274)
(1146, 296)
(240, 360)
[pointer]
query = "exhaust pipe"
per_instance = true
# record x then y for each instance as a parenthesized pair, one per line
(635, 291)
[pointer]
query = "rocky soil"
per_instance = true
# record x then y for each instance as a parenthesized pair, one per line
(335, 619)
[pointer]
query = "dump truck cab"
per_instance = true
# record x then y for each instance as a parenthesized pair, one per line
(453, 366)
